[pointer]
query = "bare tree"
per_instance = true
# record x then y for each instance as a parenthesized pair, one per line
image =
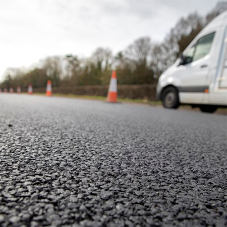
(165, 54)
(53, 69)
(220, 8)
(102, 58)
(139, 51)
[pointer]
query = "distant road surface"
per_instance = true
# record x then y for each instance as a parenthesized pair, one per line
(71, 162)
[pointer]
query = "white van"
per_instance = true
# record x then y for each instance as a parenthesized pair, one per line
(199, 77)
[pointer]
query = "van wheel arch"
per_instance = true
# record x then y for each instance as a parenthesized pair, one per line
(170, 97)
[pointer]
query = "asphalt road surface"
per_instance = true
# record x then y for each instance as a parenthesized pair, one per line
(69, 162)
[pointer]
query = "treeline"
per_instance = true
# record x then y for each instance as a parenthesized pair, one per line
(142, 62)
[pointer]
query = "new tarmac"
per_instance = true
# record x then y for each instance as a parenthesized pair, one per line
(71, 162)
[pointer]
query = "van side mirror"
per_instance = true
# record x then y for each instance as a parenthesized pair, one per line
(184, 60)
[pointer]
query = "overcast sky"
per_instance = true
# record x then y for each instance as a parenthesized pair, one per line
(34, 29)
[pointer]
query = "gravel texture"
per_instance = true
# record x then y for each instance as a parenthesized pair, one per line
(68, 162)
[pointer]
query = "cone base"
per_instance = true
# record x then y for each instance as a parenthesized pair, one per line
(48, 93)
(112, 97)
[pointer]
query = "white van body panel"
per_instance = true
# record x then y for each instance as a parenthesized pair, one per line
(203, 81)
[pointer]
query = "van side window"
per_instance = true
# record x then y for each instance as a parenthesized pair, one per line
(203, 46)
(200, 49)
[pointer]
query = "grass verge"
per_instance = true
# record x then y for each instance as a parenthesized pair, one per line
(222, 111)
(124, 100)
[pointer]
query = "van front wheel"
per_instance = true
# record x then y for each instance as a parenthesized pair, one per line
(208, 108)
(170, 98)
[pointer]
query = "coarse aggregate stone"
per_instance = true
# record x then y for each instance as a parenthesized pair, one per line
(69, 162)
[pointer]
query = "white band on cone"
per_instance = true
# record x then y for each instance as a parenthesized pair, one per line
(113, 85)
(49, 87)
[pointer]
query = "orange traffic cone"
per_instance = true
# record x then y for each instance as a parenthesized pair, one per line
(30, 89)
(49, 88)
(18, 90)
(11, 90)
(112, 93)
